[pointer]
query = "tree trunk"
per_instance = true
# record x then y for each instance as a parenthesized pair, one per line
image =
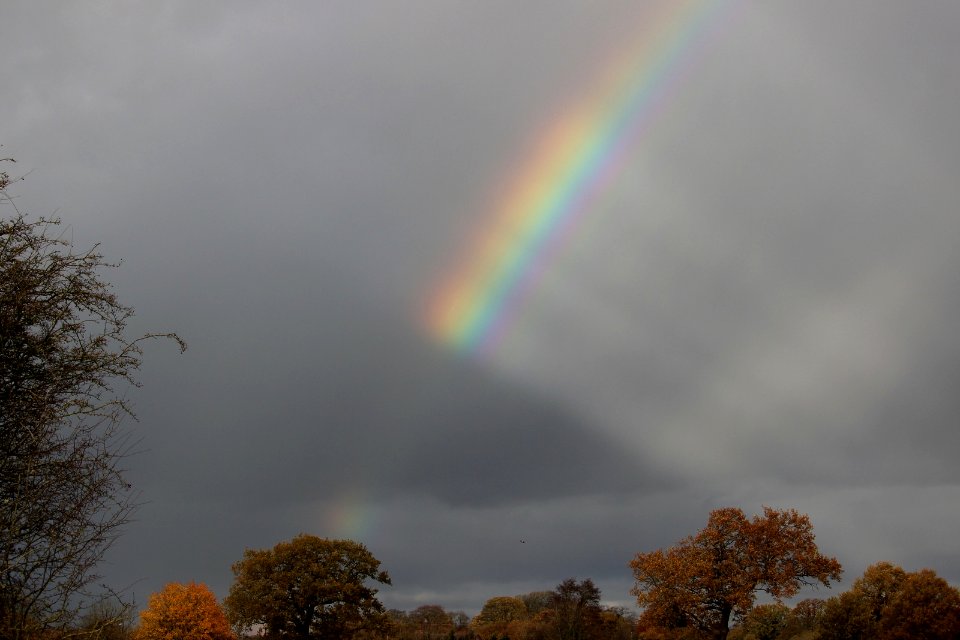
(723, 626)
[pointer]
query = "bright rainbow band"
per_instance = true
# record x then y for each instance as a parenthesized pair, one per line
(577, 155)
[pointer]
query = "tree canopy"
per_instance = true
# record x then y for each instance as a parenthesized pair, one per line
(63, 348)
(183, 612)
(887, 603)
(572, 611)
(709, 578)
(576, 610)
(309, 587)
(498, 615)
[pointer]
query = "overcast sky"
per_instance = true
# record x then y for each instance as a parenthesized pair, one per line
(760, 308)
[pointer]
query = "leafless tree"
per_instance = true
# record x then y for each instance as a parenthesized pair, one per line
(64, 363)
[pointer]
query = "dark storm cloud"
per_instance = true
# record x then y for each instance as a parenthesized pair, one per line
(759, 311)
(337, 393)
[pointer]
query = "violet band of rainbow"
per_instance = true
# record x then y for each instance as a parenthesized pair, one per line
(579, 153)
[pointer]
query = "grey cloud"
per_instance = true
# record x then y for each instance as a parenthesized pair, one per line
(757, 311)
(336, 393)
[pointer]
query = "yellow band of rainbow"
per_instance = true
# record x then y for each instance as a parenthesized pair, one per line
(578, 154)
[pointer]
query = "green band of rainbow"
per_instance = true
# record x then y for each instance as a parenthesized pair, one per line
(578, 154)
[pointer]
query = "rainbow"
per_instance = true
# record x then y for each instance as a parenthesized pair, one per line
(575, 157)
(349, 515)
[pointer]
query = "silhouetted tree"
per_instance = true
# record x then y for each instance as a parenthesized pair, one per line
(308, 587)
(430, 621)
(577, 610)
(63, 495)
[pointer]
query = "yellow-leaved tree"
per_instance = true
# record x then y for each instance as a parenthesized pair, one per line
(183, 612)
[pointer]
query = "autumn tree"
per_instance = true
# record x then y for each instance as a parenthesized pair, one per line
(709, 578)
(804, 619)
(497, 614)
(460, 621)
(309, 587)
(576, 610)
(847, 617)
(65, 361)
(183, 612)
(925, 607)
(763, 622)
(617, 623)
(878, 585)
(537, 601)
(430, 621)
(572, 611)
(856, 613)
(808, 612)
(426, 622)
(887, 603)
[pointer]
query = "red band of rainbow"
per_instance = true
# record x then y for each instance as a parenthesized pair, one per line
(579, 153)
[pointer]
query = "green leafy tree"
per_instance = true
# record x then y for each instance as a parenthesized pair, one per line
(309, 587)
(712, 577)
(63, 496)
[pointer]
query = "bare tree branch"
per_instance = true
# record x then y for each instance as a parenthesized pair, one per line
(63, 496)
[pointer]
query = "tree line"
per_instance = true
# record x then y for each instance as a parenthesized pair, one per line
(313, 587)
(64, 499)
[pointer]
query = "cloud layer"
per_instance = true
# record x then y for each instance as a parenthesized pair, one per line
(758, 310)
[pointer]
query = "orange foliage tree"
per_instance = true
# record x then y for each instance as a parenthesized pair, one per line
(887, 603)
(708, 578)
(926, 606)
(497, 615)
(183, 612)
(856, 613)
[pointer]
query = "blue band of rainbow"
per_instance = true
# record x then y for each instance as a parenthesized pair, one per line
(577, 154)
